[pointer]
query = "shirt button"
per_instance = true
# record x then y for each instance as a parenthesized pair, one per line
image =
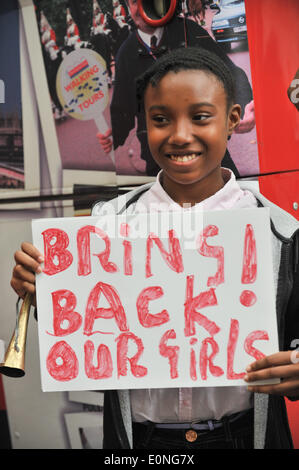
(191, 435)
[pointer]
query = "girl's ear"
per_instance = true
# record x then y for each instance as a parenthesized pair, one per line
(234, 118)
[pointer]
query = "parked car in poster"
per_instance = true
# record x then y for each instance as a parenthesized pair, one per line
(229, 23)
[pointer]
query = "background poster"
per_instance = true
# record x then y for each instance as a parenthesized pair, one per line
(90, 153)
(82, 158)
(72, 157)
(219, 27)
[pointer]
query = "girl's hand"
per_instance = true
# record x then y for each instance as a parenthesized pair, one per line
(283, 365)
(28, 263)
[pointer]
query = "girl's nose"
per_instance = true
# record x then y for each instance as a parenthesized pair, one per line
(181, 133)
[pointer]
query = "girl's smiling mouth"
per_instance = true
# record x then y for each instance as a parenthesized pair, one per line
(183, 158)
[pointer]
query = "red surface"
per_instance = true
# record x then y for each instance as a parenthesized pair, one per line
(282, 189)
(293, 415)
(274, 56)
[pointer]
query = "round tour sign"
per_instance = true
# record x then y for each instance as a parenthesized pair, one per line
(81, 84)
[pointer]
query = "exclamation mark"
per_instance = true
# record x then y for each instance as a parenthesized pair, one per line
(249, 272)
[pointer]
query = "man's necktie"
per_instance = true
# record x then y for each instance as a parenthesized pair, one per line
(153, 42)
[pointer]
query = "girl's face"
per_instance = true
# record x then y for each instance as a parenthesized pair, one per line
(187, 126)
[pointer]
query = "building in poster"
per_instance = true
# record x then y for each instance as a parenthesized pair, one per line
(11, 128)
(19, 146)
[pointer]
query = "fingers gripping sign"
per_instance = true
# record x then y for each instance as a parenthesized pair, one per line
(283, 366)
(28, 263)
(294, 354)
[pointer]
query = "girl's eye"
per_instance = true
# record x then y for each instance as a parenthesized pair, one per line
(200, 117)
(159, 119)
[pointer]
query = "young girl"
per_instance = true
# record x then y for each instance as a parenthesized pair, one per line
(188, 98)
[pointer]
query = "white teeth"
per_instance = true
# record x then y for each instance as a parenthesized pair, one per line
(183, 158)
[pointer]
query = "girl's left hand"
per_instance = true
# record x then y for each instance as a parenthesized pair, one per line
(283, 365)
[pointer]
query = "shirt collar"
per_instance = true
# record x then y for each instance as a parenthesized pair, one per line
(146, 38)
(226, 198)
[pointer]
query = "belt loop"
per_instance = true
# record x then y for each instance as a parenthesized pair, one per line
(227, 430)
(211, 425)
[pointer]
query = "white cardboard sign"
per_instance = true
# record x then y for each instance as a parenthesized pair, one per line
(185, 299)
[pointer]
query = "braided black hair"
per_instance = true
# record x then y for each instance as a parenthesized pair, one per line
(189, 58)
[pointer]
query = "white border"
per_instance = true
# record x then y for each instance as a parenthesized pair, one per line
(89, 398)
(75, 421)
(42, 95)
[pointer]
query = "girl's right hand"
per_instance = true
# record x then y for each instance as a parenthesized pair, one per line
(28, 263)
